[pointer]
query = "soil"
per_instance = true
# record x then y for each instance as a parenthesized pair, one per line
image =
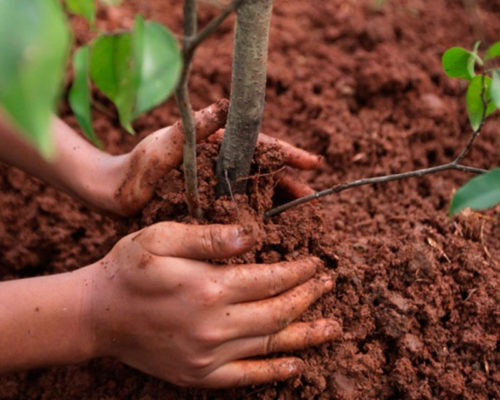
(360, 83)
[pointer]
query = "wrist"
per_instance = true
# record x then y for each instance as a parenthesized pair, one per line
(99, 181)
(100, 309)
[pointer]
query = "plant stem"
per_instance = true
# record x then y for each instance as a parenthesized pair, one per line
(186, 111)
(190, 42)
(247, 95)
(371, 181)
(213, 25)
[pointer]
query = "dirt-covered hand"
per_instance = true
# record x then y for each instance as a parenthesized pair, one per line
(156, 306)
(295, 158)
(157, 154)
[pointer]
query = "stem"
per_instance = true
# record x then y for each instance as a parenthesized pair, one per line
(186, 111)
(371, 181)
(190, 42)
(247, 95)
(213, 25)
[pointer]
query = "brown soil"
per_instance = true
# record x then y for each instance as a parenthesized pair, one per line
(360, 84)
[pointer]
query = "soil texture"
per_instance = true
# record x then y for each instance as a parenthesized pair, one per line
(360, 83)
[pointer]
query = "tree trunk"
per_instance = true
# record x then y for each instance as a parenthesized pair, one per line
(247, 95)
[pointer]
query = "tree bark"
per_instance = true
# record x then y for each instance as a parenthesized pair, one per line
(247, 95)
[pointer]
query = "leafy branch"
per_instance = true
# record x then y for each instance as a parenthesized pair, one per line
(482, 98)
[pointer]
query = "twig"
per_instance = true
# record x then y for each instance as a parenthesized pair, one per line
(194, 41)
(187, 116)
(453, 165)
(190, 42)
(371, 181)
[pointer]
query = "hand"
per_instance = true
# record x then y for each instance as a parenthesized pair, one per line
(294, 158)
(158, 308)
(162, 150)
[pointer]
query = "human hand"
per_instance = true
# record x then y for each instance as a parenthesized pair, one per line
(294, 158)
(158, 308)
(161, 151)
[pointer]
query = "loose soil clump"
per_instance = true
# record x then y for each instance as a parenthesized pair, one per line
(416, 291)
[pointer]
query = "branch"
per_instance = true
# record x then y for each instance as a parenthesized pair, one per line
(453, 165)
(186, 111)
(195, 41)
(371, 181)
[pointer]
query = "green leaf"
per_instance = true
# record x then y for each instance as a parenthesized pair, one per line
(161, 67)
(493, 51)
(34, 46)
(495, 88)
(137, 70)
(85, 8)
(474, 100)
(456, 63)
(111, 69)
(79, 95)
(479, 193)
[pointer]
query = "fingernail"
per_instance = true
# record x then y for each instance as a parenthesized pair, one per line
(294, 366)
(332, 330)
(328, 282)
(243, 236)
(317, 261)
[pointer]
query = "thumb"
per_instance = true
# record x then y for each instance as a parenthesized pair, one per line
(171, 239)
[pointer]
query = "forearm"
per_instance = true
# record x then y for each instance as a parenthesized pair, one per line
(44, 321)
(78, 167)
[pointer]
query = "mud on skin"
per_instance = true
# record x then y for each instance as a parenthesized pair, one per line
(416, 291)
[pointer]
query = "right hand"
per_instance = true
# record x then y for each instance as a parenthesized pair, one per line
(158, 308)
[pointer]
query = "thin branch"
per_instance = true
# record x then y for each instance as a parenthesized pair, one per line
(187, 116)
(371, 181)
(195, 41)
(453, 165)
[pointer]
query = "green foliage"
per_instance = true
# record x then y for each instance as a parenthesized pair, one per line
(85, 8)
(478, 94)
(34, 45)
(495, 88)
(493, 51)
(482, 99)
(479, 193)
(161, 67)
(112, 69)
(79, 95)
(457, 63)
(483, 92)
(137, 70)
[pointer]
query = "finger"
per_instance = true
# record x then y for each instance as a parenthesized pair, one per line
(296, 189)
(272, 315)
(171, 239)
(296, 336)
(211, 118)
(294, 157)
(167, 143)
(157, 154)
(251, 282)
(253, 372)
